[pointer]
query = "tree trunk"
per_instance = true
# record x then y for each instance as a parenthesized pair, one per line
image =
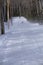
(20, 10)
(2, 22)
(8, 12)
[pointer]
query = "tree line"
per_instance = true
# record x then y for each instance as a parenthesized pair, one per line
(27, 8)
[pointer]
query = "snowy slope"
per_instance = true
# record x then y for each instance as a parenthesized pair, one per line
(22, 44)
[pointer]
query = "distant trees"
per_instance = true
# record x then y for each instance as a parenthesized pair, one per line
(34, 9)
(26, 7)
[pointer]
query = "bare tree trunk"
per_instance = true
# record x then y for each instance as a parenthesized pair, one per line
(2, 22)
(20, 9)
(8, 12)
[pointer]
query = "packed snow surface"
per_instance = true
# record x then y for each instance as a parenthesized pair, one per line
(22, 44)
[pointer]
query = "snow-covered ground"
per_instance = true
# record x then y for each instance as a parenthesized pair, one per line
(22, 44)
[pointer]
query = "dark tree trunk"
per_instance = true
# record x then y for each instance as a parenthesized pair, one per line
(2, 21)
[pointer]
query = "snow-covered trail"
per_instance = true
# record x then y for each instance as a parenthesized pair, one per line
(23, 44)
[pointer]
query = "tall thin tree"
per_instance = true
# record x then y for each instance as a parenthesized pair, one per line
(2, 17)
(8, 2)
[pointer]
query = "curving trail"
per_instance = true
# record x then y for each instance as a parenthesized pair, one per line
(22, 44)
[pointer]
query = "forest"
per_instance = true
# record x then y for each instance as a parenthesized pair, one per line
(27, 8)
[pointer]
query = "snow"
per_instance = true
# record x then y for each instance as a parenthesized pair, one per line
(22, 44)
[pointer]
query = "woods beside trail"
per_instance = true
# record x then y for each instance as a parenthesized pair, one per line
(21, 32)
(12, 8)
